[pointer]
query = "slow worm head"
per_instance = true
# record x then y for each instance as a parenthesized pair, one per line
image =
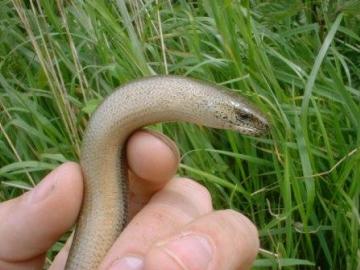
(147, 101)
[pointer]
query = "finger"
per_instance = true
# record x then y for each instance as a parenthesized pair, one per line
(31, 223)
(33, 263)
(60, 258)
(221, 240)
(153, 159)
(177, 204)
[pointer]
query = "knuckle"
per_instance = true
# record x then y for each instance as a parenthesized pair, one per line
(239, 219)
(196, 193)
(242, 226)
(184, 195)
(195, 188)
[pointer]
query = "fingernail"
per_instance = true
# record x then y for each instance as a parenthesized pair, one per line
(128, 263)
(45, 187)
(191, 251)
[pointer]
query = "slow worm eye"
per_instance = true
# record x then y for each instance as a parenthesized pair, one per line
(242, 116)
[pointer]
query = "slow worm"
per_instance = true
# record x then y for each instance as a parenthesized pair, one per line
(147, 101)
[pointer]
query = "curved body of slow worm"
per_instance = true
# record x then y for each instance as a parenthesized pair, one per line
(137, 104)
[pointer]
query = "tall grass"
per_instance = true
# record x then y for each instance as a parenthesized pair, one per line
(297, 60)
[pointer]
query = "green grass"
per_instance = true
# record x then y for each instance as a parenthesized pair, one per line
(297, 60)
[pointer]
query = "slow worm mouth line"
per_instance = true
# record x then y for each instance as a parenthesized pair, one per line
(137, 104)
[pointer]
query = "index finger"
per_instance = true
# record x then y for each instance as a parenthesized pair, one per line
(153, 160)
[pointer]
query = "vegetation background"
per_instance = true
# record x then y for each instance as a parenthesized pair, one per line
(297, 60)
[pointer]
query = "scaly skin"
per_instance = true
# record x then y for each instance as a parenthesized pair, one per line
(147, 101)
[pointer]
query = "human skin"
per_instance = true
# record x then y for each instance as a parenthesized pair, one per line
(172, 222)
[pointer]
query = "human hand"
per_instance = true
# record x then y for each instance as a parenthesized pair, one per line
(173, 225)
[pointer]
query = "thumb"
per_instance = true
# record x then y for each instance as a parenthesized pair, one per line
(31, 223)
